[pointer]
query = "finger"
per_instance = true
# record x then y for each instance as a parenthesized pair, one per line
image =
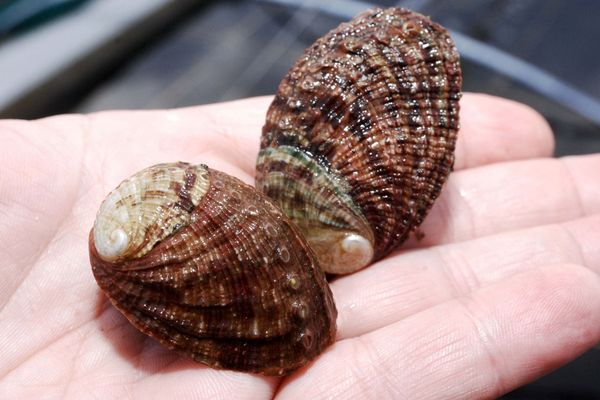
(226, 135)
(494, 129)
(478, 346)
(509, 196)
(401, 286)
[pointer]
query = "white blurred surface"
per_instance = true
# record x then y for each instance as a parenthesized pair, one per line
(38, 56)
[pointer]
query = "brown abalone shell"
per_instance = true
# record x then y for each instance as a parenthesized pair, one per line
(212, 268)
(360, 136)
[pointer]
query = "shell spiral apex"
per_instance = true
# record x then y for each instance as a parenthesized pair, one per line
(210, 267)
(360, 136)
(154, 197)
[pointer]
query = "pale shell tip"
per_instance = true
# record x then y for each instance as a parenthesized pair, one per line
(111, 246)
(357, 251)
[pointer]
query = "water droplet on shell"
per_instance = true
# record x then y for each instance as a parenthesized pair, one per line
(300, 309)
(284, 253)
(293, 281)
(270, 230)
(252, 210)
(306, 338)
(360, 164)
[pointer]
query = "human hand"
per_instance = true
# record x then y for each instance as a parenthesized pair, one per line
(503, 288)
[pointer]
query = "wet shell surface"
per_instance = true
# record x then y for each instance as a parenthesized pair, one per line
(211, 268)
(360, 136)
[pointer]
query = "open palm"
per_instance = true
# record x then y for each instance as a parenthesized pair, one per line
(504, 287)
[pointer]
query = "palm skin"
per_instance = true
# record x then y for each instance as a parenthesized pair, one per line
(503, 288)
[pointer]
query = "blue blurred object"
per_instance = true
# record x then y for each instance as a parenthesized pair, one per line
(19, 15)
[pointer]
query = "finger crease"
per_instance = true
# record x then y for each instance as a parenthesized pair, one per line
(574, 188)
(577, 245)
(485, 338)
(375, 361)
(457, 271)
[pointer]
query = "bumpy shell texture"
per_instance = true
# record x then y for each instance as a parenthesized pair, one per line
(360, 136)
(212, 268)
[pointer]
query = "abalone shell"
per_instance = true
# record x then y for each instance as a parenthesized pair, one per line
(210, 267)
(360, 136)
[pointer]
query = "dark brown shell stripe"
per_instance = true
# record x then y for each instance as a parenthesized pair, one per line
(222, 292)
(375, 102)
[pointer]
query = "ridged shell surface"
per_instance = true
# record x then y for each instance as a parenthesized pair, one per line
(360, 136)
(212, 268)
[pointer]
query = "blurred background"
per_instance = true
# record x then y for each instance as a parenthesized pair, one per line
(60, 56)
